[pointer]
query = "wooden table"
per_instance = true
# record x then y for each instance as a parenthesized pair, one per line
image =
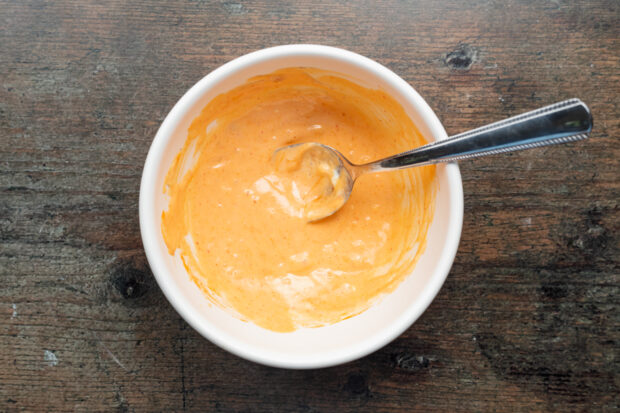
(528, 319)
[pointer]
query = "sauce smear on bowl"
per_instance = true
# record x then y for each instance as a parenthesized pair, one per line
(245, 238)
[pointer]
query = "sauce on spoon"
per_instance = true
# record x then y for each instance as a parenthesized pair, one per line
(313, 180)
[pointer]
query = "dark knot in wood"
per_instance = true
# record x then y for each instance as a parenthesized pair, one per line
(131, 282)
(462, 58)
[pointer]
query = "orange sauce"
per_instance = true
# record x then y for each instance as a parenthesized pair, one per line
(241, 245)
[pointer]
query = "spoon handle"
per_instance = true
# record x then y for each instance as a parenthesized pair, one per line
(561, 122)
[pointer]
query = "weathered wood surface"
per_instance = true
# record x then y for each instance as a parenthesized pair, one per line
(528, 319)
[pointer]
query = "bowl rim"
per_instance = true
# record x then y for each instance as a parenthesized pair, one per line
(246, 350)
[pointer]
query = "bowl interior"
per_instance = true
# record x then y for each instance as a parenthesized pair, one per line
(317, 347)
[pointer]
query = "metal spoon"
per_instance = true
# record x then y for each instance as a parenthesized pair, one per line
(561, 122)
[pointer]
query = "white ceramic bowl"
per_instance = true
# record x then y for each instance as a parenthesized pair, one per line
(316, 347)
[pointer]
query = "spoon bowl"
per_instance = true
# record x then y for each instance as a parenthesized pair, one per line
(305, 164)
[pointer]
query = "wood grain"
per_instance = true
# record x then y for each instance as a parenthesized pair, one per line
(528, 319)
